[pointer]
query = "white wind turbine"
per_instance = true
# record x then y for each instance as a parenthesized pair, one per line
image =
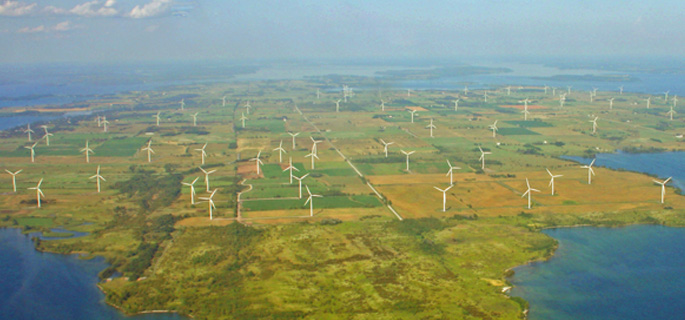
(47, 135)
(318, 94)
(620, 90)
(203, 153)
(312, 155)
(590, 172)
(509, 90)
(157, 118)
(382, 105)
(568, 88)
(29, 131)
(466, 90)
(666, 95)
(450, 172)
(291, 168)
(149, 150)
(407, 154)
(194, 115)
(192, 189)
(649, 100)
(444, 196)
(546, 88)
(408, 92)
(99, 120)
(482, 157)
(385, 146)
(594, 91)
(554, 91)
(14, 178)
(456, 104)
(494, 129)
(671, 113)
(551, 181)
(311, 201)
(97, 178)
(300, 181)
(663, 187)
(207, 173)
(39, 192)
(525, 109)
(247, 107)
(243, 118)
(257, 160)
(675, 101)
(592, 96)
(33, 151)
(104, 124)
(337, 105)
(562, 100)
(223, 101)
(280, 152)
(431, 126)
(528, 192)
(485, 96)
(315, 143)
(210, 201)
(87, 150)
(293, 135)
(412, 115)
(183, 104)
(611, 103)
(594, 124)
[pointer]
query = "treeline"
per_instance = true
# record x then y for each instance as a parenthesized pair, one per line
(152, 192)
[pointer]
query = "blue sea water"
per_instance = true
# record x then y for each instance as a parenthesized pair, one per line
(634, 272)
(36, 285)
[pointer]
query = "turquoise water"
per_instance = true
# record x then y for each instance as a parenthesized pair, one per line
(634, 272)
(36, 285)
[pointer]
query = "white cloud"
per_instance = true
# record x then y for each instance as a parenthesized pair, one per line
(60, 27)
(15, 8)
(110, 3)
(65, 26)
(87, 9)
(37, 29)
(154, 8)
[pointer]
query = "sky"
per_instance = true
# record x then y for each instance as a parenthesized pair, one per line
(33, 31)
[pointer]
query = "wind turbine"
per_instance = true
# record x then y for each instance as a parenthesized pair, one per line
(183, 104)
(528, 192)
(620, 90)
(291, 168)
(312, 155)
(243, 118)
(412, 115)
(494, 129)
(104, 124)
(47, 135)
(546, 88)
(99, 120)
(675, 101)
(431, 126)
(157, 117)
(663, 187)
(203, 153)
(318, 94)
(382, 105)
(649, 100)
(451, 171)
(223, 101)
(315, 150)
(407, 154)
(568, 88)
(33, 152)
(666, 95)
(611, 103)
(466, 90)
(554, 91)
(293, 135)
(149, 150)
(509, 90)
(28, 130)
(594, 124)
(456, 105)
(257, 160)
(551, 181)
(39, 192)
(192, 189)
(385, 146)
(300, 180)
(594, 91)
(87, 150)
(14, 178)
(482, 157)
(337, 105)
(207, 173)
(485, 96)
(671, 113)
(525, 109)
(210, 201)
(311, 201)
(592, 95)
(562, 100)
(590, 172)
(247, 107)
(194, 115)
(97, 178)
(280, 152)
(444, 196)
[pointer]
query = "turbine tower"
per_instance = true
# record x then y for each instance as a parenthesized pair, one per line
(551, 181)
(192, 189)
(312, 155)
(207, 173)
(649, 100)
(456, 104)
(528, 192)
(300, 181)
(47, 135)
(14, 178)
(183, 104)
(431, 126)
(611, 103)
(482, 157)
(203, 153)
(450, 172)
(594, 124)
(412, 115)
(157, 117)
(257, 160)
(29, 131)
(663, 187)
(382, 105)
(194, 115)
(666, 95)
(39, 192)
(210, 201)
(671, 113)
(247, 107)
(385, 146)
(310, 201)
(407, 154)
(620, 90)
(149, 150)
(293, 135)
(223, 101)
(33, 151)
(444, 196)
(280, 152)
(243, 118)
(87, 150)
(590, 172)
(97, 178)
(104, 124)
(291, 168)
(494, 129)
(337, 105)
